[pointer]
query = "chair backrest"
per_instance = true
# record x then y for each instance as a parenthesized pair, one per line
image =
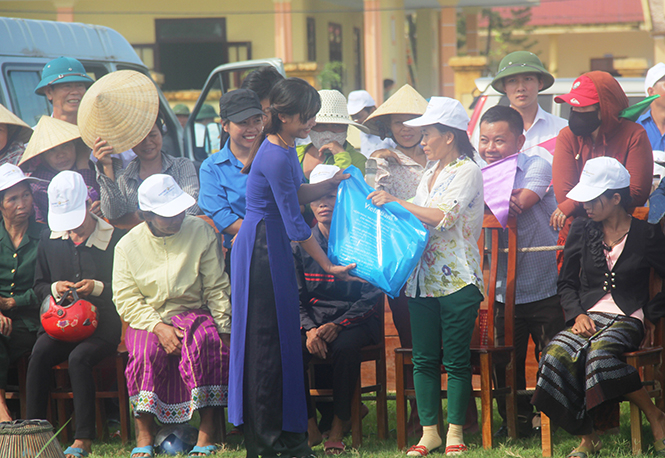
(489, 262)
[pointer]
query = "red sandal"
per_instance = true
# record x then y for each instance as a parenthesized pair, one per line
(456, 449)
(420, 449)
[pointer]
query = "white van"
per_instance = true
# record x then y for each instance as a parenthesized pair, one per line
(27, 45)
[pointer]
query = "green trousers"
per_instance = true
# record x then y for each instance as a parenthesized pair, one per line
(443, 322)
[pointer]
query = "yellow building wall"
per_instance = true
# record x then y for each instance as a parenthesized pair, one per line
(393, 42)
(575, 59)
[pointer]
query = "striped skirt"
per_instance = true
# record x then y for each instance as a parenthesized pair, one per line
(577, 376)
(173, 387)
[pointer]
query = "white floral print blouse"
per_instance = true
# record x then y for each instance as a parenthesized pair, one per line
(451, 259)
(400, 180)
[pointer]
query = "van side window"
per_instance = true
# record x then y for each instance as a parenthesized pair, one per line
(25, 103)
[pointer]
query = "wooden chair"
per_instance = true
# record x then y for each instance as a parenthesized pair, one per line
(483, 348)
(377, 354)
(646, 360)
(104, 389)
(18, 392)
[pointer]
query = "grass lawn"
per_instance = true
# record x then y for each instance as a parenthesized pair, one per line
(613, 445)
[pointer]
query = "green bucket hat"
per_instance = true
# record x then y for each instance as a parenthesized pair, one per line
(207, 111)
(181, 110)
(63, 70)
(520, 62)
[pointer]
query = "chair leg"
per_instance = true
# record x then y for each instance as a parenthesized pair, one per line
(381, 398)
(636, 429)
(400, 385)
(22, 366)
(100, 420)
(123, 398)
(486, 398)
(511, 398)
(546, 435)
(356, 418)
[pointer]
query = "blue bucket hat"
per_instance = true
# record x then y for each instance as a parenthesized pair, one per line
(62, 70)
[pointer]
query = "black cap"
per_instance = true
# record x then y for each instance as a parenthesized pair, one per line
(238, 105)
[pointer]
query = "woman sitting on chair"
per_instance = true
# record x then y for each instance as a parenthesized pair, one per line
(169, 285)
(604, 289)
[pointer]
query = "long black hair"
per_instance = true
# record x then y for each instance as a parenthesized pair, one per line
(461, 139)
(594, 233)
(290, 97)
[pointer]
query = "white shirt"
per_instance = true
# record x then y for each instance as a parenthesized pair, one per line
(545, 127)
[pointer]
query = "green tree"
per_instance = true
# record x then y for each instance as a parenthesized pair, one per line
(501, 33)
(332, 75)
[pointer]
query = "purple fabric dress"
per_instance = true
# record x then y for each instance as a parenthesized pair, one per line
(262, 287)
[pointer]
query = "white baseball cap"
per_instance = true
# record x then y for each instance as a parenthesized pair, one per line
(599, 175)
(359, 100)
(160, 194)
(442, 110)
(11, 175)
(322, 172)
(67, 195)
(655, 74)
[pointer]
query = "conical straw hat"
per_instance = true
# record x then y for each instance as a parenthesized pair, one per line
(7, 117)
(121, 108)
(405, 101)
(49, 133)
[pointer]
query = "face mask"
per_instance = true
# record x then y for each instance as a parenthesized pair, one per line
(583, 124)
(323, 138)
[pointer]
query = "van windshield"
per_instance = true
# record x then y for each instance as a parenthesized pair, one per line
(25, 103)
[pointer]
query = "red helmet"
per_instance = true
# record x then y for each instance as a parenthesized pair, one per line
(70, 323)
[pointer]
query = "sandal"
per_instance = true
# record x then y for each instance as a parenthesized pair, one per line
(147, 450)
(585, 452)
(418, 450)
(203, 451)
(334, 448)
(659, 447)
(456, 449)
(77, 452)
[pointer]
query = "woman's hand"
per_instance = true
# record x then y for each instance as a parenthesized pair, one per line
(5, 325)
(315, 345)
(342, 272)
(169, 338)
(337, 178)
(584, 326)
(333, 147)
(558, 219)
(384, 153)
(380, 198)
(7, 303)
(649, 332)
(62, 287)
(84, 287)
(96, 209)
(102, 151)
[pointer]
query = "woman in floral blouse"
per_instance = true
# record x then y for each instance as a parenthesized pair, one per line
(446, 287)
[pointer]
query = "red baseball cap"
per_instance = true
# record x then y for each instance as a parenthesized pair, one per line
(583, 93)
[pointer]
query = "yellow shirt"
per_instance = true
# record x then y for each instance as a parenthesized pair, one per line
(156, 278)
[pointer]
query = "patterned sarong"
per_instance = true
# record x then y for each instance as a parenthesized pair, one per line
(173, 387)
(577, 374)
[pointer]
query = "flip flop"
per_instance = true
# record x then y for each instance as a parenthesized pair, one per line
(659, 447)
(584, 452)
(148, 450)
(205, 451)
(77, 452)
(334, 448)
(456, 449)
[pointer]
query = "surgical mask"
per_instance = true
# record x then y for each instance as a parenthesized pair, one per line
(583, 124)
(323, 138)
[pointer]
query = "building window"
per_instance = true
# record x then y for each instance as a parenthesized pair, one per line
(335, 41)
(311, 39)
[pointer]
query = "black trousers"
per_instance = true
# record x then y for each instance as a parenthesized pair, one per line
(262, 378)
(541, 320)
(82, 357)
(344, 356)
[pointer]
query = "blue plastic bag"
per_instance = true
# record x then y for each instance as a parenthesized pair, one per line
(385, 242)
